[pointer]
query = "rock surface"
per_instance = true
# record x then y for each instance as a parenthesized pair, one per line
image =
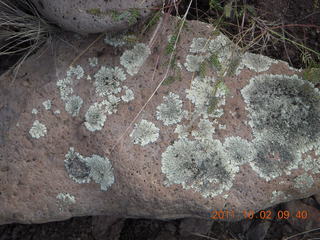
(225, 132)
(95, 16)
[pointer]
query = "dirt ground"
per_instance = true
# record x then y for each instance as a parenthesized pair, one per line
(298, 20)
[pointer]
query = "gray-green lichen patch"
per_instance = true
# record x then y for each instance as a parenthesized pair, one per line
(255, 62)
(133, 59)
(303, 182)
(278, 195)
(65, 87)
(38, 130)
(199, 164)
(73, 105)
(144, 132)
(95, 117)
(57, 112)
(310, 164)
(47, 104)
(34, 111)
(207, 96)
(129, 95)
(93, 62)
(66, 198)
(83, 169)
(193, 62)
(199, 45)
(101, 171)
(182, 131)
(205, 130)
(119, 40)
(284, 113)
(76, 167)
(77, 72)
(170, 111)
(239, 150)
(108, 80)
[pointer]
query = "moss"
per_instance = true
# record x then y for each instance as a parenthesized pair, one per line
(169, 80)
(38, 130)
(144, 132)
(312, 75)
(94, 11)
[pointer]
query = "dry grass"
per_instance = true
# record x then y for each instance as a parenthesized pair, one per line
(22, 30)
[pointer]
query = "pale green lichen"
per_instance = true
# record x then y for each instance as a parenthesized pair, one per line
(108, 80)
(76, 167)
(110, 105)
(66, 198)
(199, 45)
(93, 62)
(200, 165)
(34, 111)
(129, 95)
(38, 130)
(182, 131)
(310, 164)
(193, 62)
(303, 182)
(101, 171)
(65, 87)
(95, 117)
(77, 72)
(170, 111)
(205, 130)
(284, 113)
(73, 105)
(144, 132)
(57, 112)
(255, 62)
(47, 104)
(239, 150)
(115, 41)
(133, 59)
(278, 196)
(83, 169)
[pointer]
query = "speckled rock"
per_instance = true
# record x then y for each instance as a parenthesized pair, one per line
(225, 132)
(96, 16)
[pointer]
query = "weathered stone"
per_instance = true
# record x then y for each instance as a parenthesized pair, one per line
(235, 137)
(96, 16)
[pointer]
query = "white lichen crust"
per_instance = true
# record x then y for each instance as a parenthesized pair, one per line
(193, 62)
(200, 165)
(284, 113)
(170, 111)
(38, 130)
(34, 111)
(101, 171)
(47, 104)
(95, 117)
(303, 182)
(108, 80)
(66, 198)
(133, 59)
(84, 169)
(129, 95)
(73, 105)
(93, 62)
(144, 132)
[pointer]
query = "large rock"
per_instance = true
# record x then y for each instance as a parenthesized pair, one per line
(225, 133)
(96, 16)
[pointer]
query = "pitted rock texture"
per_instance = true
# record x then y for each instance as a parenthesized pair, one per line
(221, 133)
(96, 16)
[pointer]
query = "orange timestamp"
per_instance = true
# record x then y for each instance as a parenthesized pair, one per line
(263, 214)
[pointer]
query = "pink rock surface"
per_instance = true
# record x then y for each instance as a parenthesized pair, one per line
(247, 137)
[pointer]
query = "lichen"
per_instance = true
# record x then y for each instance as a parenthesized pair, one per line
(205, 130)
(108, 80)
(66, 198)
(57, 112)
(200, 165)
(310, 164)
(38, 130)
(95, 117)
(133, 59)
(34, 111)
(199, 45)
(284, 113)
(182, 131)
(239, 150)
(193, 62)
(255, 62)
(129, 95)
(65, 87)
(83, 169)
(77, 72)
(303, 182)
(73, 105)
(101, 171)
(144, 132)
(47, 104)
(93, 62)
(76, 167)
(115, 41)
(170, 111)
